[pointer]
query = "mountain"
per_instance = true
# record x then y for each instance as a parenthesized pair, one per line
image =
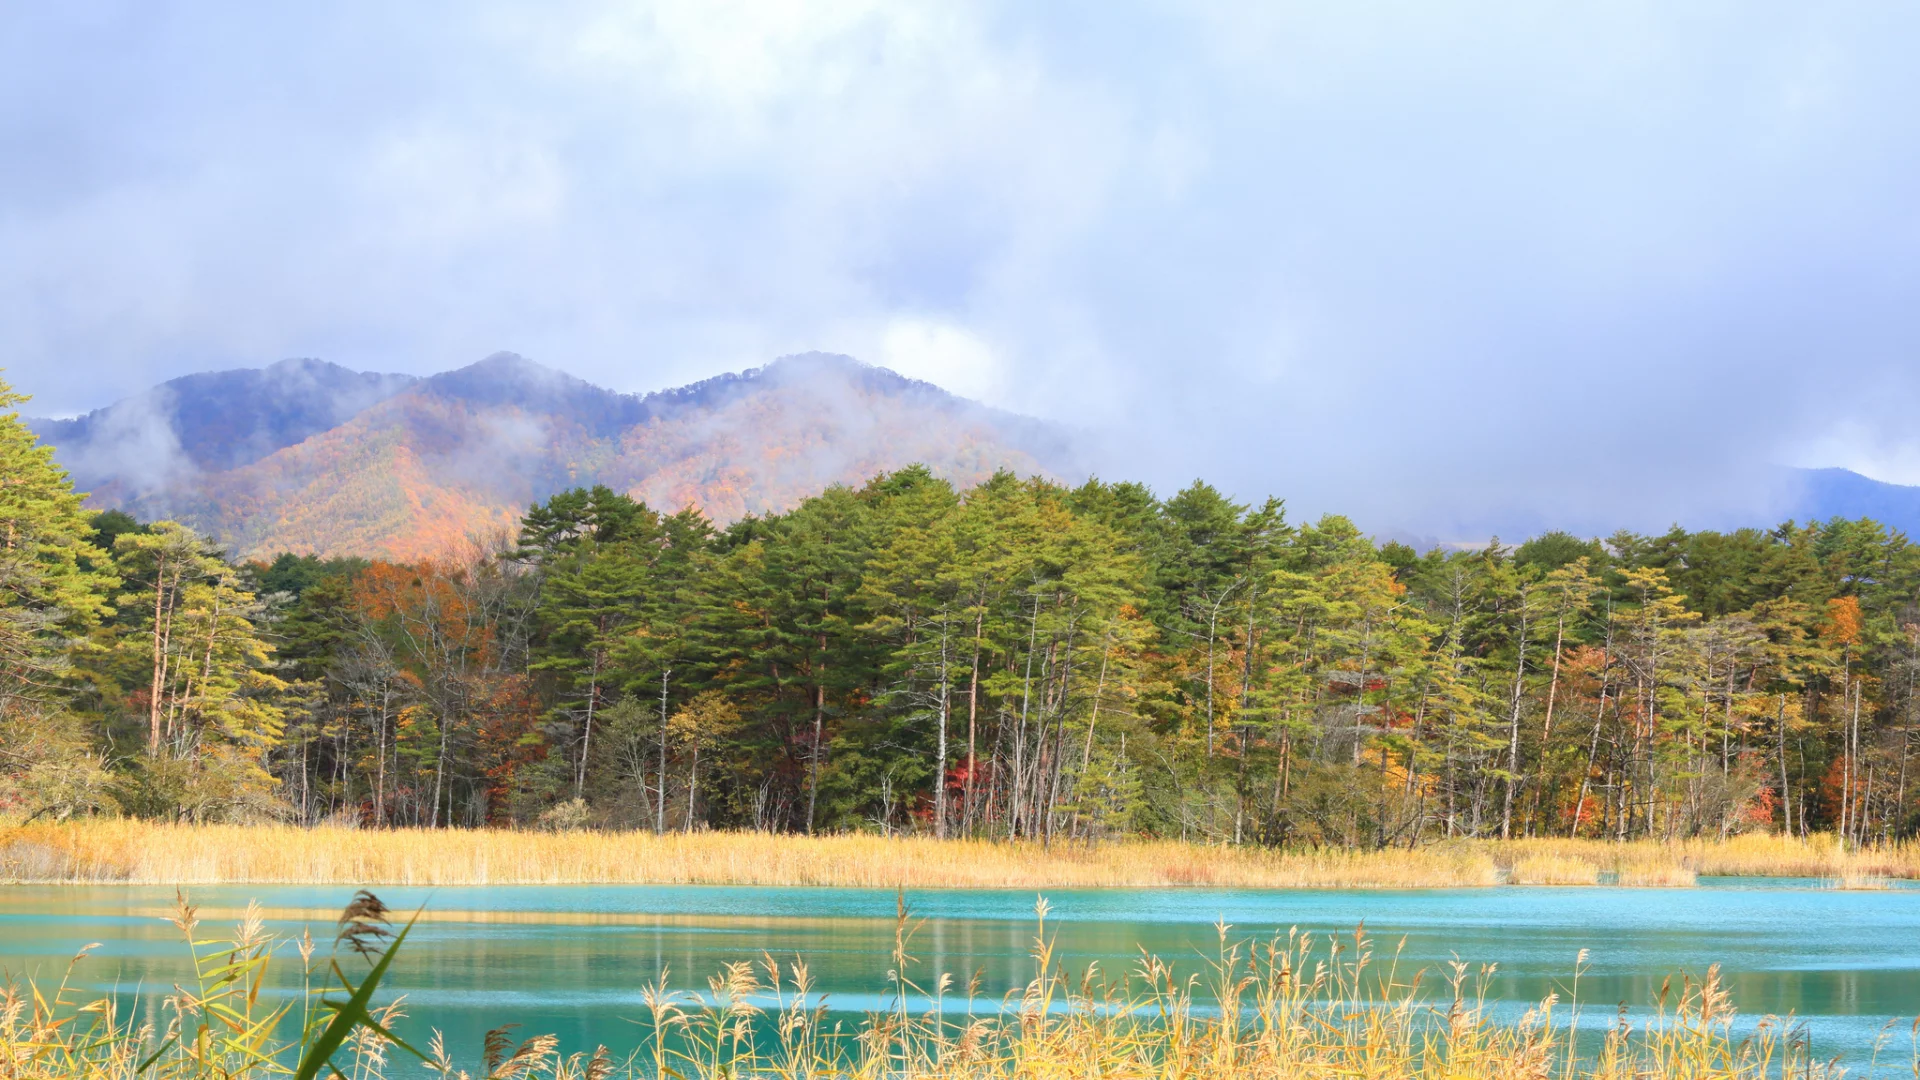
(309, 456)
(1829, 493)
(210, 422)
(306, 456)
(1781, 494)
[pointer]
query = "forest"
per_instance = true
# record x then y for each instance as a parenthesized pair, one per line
(1021, 659)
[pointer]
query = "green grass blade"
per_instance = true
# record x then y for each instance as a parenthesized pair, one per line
(353, 1012)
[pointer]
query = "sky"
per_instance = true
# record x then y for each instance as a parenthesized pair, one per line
(1433, 265)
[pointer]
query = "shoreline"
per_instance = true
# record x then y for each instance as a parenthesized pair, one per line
(124, 851)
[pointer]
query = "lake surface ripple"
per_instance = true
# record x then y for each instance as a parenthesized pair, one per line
(572, 959)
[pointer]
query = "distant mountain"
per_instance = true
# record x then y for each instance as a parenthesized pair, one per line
(306, 456)
(309, 456)
(1829, 493)
(210, 422)
(1781, 495)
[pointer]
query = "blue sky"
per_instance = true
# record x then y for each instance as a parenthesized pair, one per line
(1429, 263)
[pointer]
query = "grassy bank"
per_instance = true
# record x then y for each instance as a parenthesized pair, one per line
(1682, 862)
(141, 852)
(1295, 1007)
(151, 853)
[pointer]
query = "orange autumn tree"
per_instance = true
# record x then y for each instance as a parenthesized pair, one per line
(451, 633)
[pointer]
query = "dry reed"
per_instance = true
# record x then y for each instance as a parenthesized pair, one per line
(141, 852)
(138, 852)
(1678, 862)
(1553, 870)
(1298, 1007)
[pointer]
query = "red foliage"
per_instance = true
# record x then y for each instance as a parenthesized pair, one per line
(961, 773)
(1833, 787)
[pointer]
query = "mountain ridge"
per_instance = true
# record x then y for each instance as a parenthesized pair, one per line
(1827, 493)
(179, 422)
(312, 457)
(421, 464)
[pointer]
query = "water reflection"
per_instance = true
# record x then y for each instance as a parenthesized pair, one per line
(572, 959)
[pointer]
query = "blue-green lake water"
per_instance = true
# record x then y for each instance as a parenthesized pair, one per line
(572, 960)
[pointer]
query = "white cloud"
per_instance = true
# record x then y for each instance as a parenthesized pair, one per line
(1374, 258)
(1864, 448)
(945, 355)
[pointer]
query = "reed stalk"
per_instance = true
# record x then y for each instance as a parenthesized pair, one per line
(1300, 1006)
(146, 852)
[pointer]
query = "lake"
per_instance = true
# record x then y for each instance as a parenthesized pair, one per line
(571, 959)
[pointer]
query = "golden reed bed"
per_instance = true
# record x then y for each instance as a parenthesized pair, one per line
(156, 853)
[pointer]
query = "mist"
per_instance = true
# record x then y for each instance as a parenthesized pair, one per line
(1446, 269)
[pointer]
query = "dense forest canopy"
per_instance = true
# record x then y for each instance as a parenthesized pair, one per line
(1020, 659)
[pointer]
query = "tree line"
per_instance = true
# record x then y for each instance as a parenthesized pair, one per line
(1020, 659)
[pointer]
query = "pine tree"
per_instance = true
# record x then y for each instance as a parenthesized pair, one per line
(213, 706)
(205, 659)
(52, 583)
(915, 605)
(589, 601)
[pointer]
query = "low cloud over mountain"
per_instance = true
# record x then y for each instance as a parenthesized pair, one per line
(307, 456)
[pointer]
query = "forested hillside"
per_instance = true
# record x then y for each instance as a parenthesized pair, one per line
(315, 459)
(1014, 658)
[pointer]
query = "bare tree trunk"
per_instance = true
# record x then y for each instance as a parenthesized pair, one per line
(1240, 716)
(1280, 779)
(994, 769)
(813, 765)
(1866, 804)
(1900, 788)
(1513, 723)
(660, 797)
(440, 772)
(693, 781)
(1017, 783)
(1093, 721)
(973, 719)
(1906, 743)
(1726, 726)
(306, 792)
(1059, 766)
(1853, 752)
(940, 753)
(1546, 726)
(1593, 746)
(1786, 792)
(1846, 765)
(380, 734)
(1213, 619)
(158, 681)
(586, 735)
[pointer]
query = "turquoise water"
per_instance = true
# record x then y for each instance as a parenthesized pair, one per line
(572, 959)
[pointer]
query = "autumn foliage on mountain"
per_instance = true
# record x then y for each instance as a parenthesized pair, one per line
(408, 469)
